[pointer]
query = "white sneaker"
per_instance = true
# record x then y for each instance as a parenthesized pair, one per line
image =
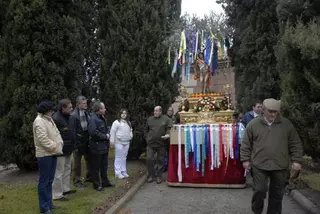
(125, 174)
(120, 176)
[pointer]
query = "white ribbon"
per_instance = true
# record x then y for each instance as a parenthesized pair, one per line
(192, 140)
(179, 155)
(196, 51)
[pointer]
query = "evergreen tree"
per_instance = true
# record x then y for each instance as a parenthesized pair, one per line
(255, 35)
(87, 12)
(134, 72)
(298, 55)
(40, 60)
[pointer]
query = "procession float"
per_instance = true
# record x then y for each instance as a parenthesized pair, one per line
(205, 145)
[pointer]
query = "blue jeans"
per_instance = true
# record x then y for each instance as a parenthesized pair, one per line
(47, 169)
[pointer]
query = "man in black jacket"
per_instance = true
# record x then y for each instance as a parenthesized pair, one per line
(61, 182)
(99, 146)
(81, 119)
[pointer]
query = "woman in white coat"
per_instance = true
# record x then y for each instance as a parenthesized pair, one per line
(120, 136)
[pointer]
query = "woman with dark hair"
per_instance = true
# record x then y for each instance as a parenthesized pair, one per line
(120, 136)
(48, 144)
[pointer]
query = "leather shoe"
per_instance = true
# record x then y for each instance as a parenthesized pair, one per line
(70, 192)
(108, 185)
(99, 188)
(79, 185)
(54, 207)
(61, 199)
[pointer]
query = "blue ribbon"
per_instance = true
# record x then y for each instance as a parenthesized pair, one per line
(237, 142)
(206, 139)
(208, 51)
(195, 145)
(188, 146)
(204, 149)
(214, 58)
(186, 157)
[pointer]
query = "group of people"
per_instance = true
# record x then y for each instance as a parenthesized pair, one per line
(269, 146)
(65, 133)
(271, 149)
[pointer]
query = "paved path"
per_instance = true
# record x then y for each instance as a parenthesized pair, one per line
(162, 199)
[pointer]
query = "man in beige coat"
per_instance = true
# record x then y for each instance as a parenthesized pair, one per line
(269, 144)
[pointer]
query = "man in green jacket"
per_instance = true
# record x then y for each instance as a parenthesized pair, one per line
(270, 143)
(157, 131)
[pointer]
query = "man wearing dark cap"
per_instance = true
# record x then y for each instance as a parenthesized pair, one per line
(99, 147)
(269, 144)
(61, 183)
(48, 144)
(81, 118)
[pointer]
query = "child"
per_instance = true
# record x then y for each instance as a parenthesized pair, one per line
(120, 136)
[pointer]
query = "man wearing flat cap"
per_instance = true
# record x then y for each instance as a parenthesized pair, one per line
(269, 144)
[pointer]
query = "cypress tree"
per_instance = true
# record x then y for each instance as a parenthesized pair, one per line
(255, 35)
(40, 60)
(298, 54)
(134, 71)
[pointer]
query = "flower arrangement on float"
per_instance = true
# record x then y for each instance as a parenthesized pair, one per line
(206, 103)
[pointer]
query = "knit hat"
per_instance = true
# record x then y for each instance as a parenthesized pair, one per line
(46, 106)
(272, 104)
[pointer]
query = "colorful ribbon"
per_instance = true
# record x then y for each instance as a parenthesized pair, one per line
(179, 155)
(198, 148)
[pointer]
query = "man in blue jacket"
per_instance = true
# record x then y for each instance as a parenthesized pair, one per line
(256, 111)
(99, 146)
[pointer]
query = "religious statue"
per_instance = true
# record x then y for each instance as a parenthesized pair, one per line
(204, 73)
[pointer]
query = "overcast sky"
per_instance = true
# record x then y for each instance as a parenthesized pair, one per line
(200, 7)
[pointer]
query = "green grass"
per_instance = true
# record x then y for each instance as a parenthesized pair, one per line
(22, 197)
(312, 180)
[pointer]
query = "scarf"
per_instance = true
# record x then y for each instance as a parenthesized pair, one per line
(83, 120)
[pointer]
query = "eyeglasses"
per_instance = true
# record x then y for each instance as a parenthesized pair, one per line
(272, 111)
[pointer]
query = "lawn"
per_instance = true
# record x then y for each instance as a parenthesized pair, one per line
(21, 197)
(312, 180)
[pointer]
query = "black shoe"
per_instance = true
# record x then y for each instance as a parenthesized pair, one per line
(88, 180)
(79, 185)
(61, 199)
(70, 192)
(109, 184)
(47, 212)
(99, 188)
(54, 207)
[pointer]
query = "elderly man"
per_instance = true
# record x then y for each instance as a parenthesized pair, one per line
(269, 144)
(256, 111)
(156, 133)
(81, 119)
(99, 147)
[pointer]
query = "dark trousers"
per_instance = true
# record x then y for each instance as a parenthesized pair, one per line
(77, 156)
(260, 188)
(99, 169)
(47, 169)
(155, 165)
